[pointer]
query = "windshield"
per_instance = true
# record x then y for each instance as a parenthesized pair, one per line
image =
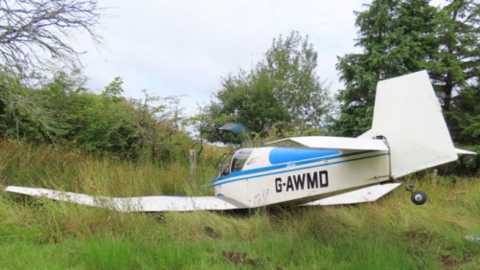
(225, 166)
(240, 158)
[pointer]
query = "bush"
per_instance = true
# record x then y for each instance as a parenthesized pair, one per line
(62, 112)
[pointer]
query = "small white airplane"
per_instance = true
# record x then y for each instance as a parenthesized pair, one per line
(408, 134)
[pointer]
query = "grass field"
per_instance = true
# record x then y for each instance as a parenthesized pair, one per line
(391, 233)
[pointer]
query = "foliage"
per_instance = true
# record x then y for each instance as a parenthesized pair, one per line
(62, 111)
(455, 68)
(395, 36)
(466, 165)
(399, 37)
(206, 125)
(466, 116)
(290, 67)
(282, 88)
(34, 33)
(114, 90)
(22, 115)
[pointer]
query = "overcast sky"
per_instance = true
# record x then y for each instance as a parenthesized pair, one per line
(185, 47)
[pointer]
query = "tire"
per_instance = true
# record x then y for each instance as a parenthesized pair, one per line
(419, 197)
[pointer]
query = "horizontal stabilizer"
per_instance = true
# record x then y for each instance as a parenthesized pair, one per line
(464, 152)
(334, 143)
(368, 194)
(134, 204)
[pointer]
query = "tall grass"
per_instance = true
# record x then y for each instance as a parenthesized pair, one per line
(46, 167)
(391, 233)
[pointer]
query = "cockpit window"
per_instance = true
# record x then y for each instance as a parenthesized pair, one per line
(225, 166)
(240, 158)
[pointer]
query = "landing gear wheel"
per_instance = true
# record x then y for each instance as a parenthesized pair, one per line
(419, 197)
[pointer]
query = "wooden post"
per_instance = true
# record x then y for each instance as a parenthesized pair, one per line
(435, 175)
(193, 164)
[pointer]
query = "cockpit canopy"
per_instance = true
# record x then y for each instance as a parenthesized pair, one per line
(243, 133)
(236, 163)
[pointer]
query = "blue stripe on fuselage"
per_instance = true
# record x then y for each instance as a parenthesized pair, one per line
(284, 155)
(280, 166)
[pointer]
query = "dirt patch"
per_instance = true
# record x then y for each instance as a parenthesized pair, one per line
(238, 258)
(211, 233)
(451, 263)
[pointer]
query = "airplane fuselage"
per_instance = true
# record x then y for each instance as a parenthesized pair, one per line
(272, 175)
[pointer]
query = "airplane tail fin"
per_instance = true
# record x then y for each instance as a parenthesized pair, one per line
(408, 114)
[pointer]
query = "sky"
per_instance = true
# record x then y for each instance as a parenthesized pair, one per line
(184, 48)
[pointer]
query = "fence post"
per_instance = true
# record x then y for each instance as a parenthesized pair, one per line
(193, 164)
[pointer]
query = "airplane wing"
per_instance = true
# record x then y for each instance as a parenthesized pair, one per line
(181, 204)
(335, 143)
(368, 194)
(135, 204)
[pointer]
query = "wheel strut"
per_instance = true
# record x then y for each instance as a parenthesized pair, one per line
(418, 197)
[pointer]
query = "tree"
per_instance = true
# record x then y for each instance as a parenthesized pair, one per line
(400, 37)
(33, 31)
(454, 65)
(282, 89)
(467, 115)
(396, 37)
(114, 89)
(290, 68)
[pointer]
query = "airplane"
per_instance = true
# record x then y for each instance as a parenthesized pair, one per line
(408, 134)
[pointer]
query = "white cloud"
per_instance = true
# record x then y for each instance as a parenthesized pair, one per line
(185, 47)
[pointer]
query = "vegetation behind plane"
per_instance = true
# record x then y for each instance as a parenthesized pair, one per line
(63, 113)
(402, 36)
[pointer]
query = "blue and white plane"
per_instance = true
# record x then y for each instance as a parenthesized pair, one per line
(408, 134)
